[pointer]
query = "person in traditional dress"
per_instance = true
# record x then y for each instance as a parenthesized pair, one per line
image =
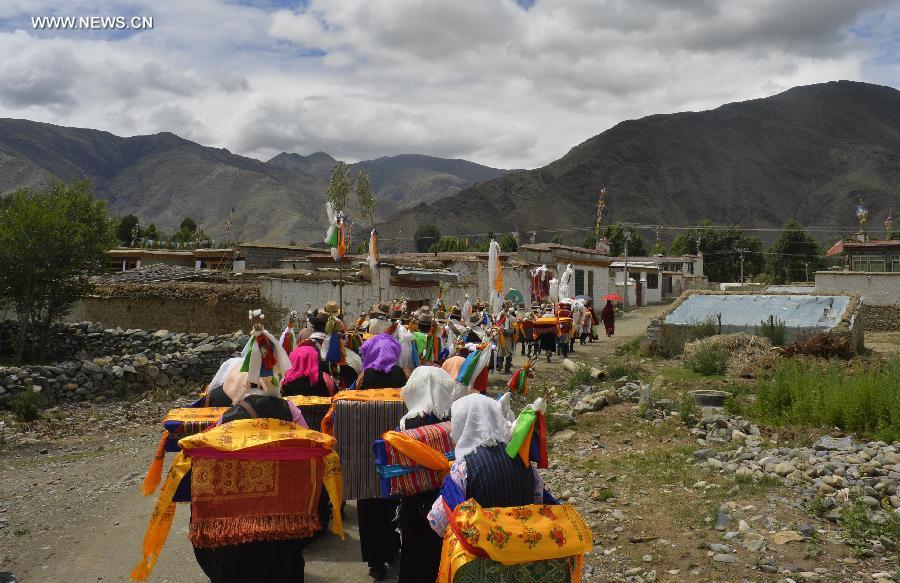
(306, 376)
(547, 340)
(258, 561)
(378, 539)
(482, 469)
(506, 338)
(608, 317)
(288, 339)
(427, 394)
(564, 313)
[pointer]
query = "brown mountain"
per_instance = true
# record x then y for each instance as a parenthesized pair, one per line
(163, 178)
(809, 153)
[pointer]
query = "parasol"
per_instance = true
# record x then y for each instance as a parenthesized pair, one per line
(515, 296)
(613, 297)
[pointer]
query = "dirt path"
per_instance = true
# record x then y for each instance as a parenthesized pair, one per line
(71, 510)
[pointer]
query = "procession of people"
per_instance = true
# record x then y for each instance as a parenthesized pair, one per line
(431, 364)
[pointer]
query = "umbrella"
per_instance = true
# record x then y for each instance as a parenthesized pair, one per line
(584, 299)
(515, 296)
(613, 297)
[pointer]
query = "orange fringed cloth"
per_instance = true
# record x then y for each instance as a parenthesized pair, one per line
(252, 480)
(518, 540)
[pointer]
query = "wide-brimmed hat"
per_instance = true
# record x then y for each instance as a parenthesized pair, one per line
(455, 312)
(475, 319)
(331, 307)
(396, 311)
(424, 315)
(380, 310)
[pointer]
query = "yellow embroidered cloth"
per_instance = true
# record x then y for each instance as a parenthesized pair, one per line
(308, 401)
(365, 395)
(513, 536)
(241, 435)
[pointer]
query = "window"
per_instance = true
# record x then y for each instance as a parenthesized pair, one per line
(873, 263)
(895, 263)
(579, 282)
(590, 285)
(652, 281)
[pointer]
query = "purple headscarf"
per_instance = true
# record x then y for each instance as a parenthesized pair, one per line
(380, 352)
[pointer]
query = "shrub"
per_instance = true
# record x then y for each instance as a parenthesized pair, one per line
(581, 376)
(670, 340)
(688, 411)
(708, 361)
(859, 528)
(26, 405)
(733, 405)
(821, 345)
(621, 369)
(773, 329)
(630, 348)
(809, 394)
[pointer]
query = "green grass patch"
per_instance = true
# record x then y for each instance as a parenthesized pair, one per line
(859, 528)
(814, 394)
(620, 368)
(26, 406)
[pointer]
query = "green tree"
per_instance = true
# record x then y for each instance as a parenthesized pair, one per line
(339, 186)
(508, 243)
(125, 230)
(794, 254)
(51, 243)
(151, 233)
(557, 238)
(589, 241)
(426, 236)
(721, 251)
(449, 245)
(365, 198)
(615, 234)
(188, 225)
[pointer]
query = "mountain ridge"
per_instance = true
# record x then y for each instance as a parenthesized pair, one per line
(809, 153)
(163, 177)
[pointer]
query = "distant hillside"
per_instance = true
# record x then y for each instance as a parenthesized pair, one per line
(163, 178)
(809, 153)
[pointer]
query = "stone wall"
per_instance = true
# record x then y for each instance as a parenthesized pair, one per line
(881, 317)
(175, 314)
(134, 361)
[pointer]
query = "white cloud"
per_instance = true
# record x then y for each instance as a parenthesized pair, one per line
(481, 79)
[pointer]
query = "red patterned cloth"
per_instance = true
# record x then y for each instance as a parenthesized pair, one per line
(437, 437)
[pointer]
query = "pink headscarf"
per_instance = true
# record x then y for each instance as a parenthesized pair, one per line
(304, 363)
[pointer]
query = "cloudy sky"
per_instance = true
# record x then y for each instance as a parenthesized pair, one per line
(506, 83)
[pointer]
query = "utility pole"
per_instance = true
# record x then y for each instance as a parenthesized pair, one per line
(627, 236)
(806, 264)
(741, 252)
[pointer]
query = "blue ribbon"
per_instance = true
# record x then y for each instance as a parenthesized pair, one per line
(396, 470)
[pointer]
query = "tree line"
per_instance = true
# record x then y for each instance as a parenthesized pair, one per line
(792, 257)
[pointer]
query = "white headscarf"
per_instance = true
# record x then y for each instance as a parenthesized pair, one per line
(427, 391)
(476, 420)
(226, 366)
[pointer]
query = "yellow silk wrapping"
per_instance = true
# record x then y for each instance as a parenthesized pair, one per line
(235, 436)
(418, 451)
(365, 395)
(514, 535)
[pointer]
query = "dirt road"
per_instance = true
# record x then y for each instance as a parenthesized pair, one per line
(71, 510)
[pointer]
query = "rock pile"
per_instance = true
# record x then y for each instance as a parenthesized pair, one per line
(835, 471)
(130, 361)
